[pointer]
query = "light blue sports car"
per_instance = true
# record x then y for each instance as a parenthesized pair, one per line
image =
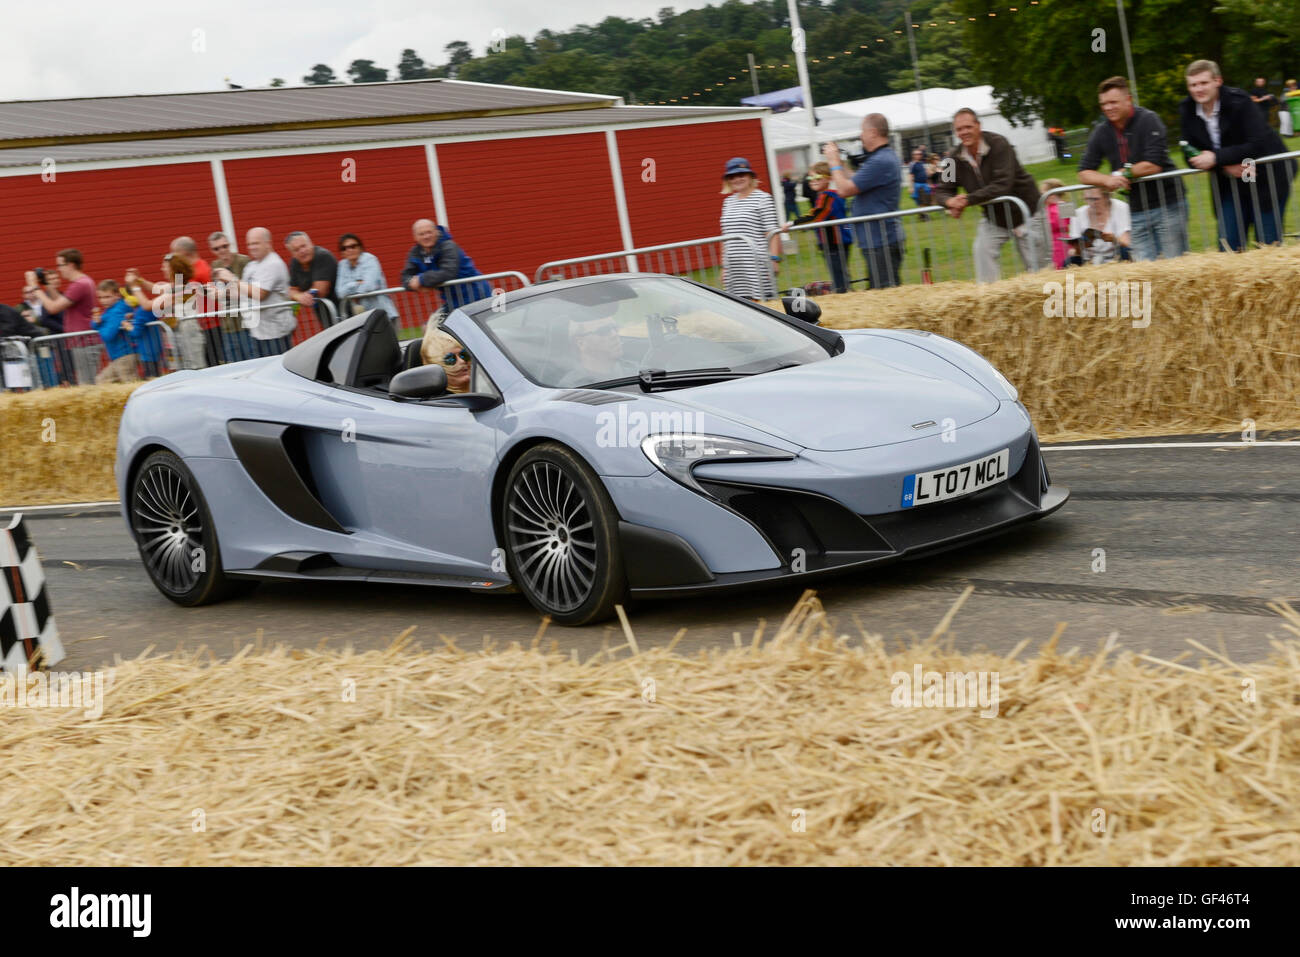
(616, 437)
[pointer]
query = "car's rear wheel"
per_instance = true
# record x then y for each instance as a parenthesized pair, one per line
(561, 532)
(174, 533)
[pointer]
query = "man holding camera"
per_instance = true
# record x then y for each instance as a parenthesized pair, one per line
(875, 185)
(76, 301)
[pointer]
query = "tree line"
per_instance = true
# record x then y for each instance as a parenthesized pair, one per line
(1042, 59)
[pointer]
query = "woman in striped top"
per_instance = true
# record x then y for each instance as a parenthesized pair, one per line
(749, 211)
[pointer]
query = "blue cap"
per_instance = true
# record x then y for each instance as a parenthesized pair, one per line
(738, 164)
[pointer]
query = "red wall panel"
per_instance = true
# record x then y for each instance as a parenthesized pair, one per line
(560, 202)
(683, 200)
(310, 192)
(116, 217)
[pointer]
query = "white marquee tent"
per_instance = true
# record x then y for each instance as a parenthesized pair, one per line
(842, 122)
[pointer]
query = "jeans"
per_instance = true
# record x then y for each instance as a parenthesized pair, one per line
(236, 346)
(270, 347)
(1034, 252)
(884, 265)
(1237, 213)
(1159, 232)
(837, 260)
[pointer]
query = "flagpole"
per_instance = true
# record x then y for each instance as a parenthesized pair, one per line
(799, 44)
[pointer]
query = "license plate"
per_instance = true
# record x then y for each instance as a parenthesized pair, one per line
(922, 488)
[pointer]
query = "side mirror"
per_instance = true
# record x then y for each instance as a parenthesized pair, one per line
(422, 382)
(801, 307)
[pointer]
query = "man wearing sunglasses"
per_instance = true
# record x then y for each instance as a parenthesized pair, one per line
(598, 351)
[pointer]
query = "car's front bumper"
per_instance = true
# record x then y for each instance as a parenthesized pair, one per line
(812, 535)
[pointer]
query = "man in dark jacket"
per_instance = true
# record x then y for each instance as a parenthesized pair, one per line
(1132, 138)
(986, 166)
(1223, 123)
(434, 259)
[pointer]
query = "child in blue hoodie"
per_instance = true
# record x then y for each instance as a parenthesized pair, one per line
(115, 329)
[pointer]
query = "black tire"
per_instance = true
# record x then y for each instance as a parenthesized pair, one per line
(171, 523)
(555, 505)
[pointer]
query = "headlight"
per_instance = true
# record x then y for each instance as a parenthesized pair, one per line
(676, 454)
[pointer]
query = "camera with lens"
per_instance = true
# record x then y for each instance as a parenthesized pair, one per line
(40, 276)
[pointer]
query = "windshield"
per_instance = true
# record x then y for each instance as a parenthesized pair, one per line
(609, 331)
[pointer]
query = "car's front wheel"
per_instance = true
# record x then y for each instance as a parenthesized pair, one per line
(561, 532)
(174, 532)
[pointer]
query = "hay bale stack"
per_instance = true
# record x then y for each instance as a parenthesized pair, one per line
(522, 756)
(1223, 344)
(59, 444)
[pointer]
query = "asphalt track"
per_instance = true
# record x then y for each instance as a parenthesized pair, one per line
(1197, 540)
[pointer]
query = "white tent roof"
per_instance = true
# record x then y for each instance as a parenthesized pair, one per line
(842, 121)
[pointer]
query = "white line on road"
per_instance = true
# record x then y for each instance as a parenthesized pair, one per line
(46, 508)
(1165, 445)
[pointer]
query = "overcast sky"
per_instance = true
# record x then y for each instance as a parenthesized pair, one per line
(91, 48)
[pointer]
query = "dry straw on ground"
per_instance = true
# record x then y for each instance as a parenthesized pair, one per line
(521, 756)
(1223, 346)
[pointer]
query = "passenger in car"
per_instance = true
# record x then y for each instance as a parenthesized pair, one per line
(441, 347)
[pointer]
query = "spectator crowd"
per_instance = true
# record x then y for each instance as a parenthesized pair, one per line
(223, 308)
(1134, 210)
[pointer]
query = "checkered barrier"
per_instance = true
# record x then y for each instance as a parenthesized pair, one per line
(27, 627)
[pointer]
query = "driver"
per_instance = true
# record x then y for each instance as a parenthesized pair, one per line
(598, 348)
(442, 347)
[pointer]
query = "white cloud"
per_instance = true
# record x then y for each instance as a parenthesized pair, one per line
(135, 46)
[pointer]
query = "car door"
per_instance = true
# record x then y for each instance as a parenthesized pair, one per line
(410, 481)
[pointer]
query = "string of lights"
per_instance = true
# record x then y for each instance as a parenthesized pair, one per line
(711, 87)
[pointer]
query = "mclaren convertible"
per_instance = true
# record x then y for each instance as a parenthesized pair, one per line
(617, 437)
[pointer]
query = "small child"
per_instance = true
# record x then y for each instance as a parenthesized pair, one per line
(1058, 224)
(835, 241)
(115, 329)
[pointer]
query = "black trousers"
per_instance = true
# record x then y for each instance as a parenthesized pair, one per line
(884, 265)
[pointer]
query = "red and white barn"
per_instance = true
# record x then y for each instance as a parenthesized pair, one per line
(519, 176)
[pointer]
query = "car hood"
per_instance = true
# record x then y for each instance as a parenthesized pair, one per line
(849, 401)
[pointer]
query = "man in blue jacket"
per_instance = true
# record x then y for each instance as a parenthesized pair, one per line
(1228, 129)
(434, 259)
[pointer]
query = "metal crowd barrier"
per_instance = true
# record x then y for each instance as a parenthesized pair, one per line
(80, 358)
(1211, 226)
(700, 258)
(226, 335)
(413, 308)
(933, 247)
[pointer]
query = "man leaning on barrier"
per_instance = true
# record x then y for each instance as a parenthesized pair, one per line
(436, 259)
(265, 281)
(1228, 129)
(1132, 138)
(986, 166)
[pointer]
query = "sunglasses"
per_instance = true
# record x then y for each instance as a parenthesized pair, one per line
(350, 246)
(450, 358)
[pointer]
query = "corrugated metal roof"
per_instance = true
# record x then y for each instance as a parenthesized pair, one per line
(348, 135)
(226, 109)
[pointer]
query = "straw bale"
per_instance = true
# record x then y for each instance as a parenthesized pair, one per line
(528, 756)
